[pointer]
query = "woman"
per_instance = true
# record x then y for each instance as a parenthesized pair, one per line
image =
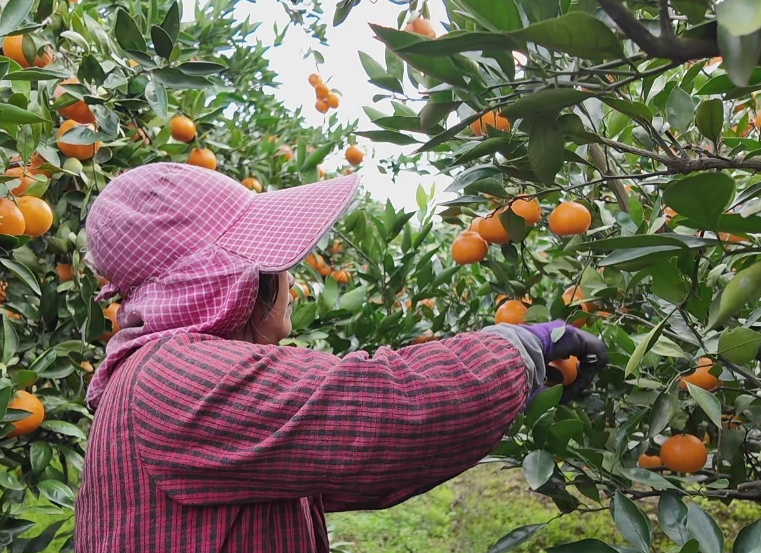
(208, 436)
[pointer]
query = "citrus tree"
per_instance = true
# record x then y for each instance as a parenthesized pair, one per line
(604, 155)
(86, 92)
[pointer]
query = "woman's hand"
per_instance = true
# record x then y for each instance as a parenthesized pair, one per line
(568, 340)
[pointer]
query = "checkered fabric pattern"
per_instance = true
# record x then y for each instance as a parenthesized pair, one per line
(203, 444)
(184, 247)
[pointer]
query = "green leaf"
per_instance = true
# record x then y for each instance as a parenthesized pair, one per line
(631, 522)
(515, 538)
(708, 402)
(175, 79)
(353, 300)
(13, 14)
(64, 428)
(672, 516)
(91, 71)
(40, 454)
(739, 54)
(680, 110)
(648, 478)
(709, 118)
(739, 17)
(84, 135)
(749, 539)
(495, 16)
(636, 110)
(666, 404)
(702, 198)
(583, 546)
(25, 378)
(316, 157)
(744, 288)
(648, 240)
(57, 492)
(171, 23)
(43, 361)
(576, 33)
(34, 74)
(127, 32)
(23, 273)
(388, 136)
(155, 94)
(162, 42)
(543, 102)
(545, 149)
(537, 468)
(9, 481)
(739, 345)
(514, 224)
(695, 10)
(457, 42)
(304, 315)
(10, 340)
(704, 529)
(201, 68)
(542, 402)
(14, 114)
(643, 347)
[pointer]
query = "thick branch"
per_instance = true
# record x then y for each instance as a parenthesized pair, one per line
(666, 46)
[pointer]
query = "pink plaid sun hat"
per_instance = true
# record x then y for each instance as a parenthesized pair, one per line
(183, 247)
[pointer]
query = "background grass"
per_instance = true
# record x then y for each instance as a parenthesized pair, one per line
(469, 513)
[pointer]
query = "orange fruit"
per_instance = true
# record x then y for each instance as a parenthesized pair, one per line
(469, 247)
(341, 276)
(285, 152)
(475, 224)
(109, 312)
(183, 128)
(86, 366)
(573, 294)
(684, 453)
(354, 155)
(321, 173)
(78, 111)
(569, 367)
(645, 461)
(314, 79)
(30, 423)
(336, 248)
(511, 312)
(315, 261)
(569, 218)
(78, 151)
(726, 237)
(757, 120)
(38, 217)
(13, 49)
(423, 27)
(669, 213)
(35, 163)
(528, 209)
(492, 231)
(730, 422)
(426, 336)
(11, 219)
(325, 270)
(701, 377)
(491, 119)
(252, 184)
(139, 134)
(321, 91)
(322, 106)
(304, 289)
(64, 271)
(203, 157)
(23, 175)
(333, 100)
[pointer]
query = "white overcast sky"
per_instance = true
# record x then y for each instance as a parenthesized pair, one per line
(343, 68)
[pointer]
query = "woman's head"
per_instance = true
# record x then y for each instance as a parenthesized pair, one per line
(270, 321)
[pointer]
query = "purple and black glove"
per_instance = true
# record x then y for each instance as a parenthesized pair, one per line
(589, 349)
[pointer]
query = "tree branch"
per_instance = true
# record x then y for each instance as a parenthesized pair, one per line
(666, 46)
(616, 186)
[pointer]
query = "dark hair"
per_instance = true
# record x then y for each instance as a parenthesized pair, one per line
(269, 288)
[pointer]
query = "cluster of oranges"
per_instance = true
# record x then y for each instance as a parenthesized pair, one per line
(326, 99)
(472, 245)
(183, 129)
(318, 263)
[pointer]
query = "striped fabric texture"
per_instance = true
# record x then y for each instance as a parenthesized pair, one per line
(207, 445)
(184, 247)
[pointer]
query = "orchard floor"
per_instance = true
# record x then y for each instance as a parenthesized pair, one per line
(469, 513)
(472, 511)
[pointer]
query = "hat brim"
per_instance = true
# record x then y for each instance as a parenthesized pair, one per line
(279, 228)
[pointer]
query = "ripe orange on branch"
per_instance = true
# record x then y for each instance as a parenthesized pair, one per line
(109, 312)
(203, 157)
(684, 453)
(81, 152)
(24, 175)
(645, 461)
(354, 155)
(469, 247)
(38, 217)
(701, 377)
(421, 26)
(569, 218)
(11, 219)
(528, 208)
(26, 402)
(183, 128)
(252, 184)
(491, 229)
(569, 368)
(314, 79)
(79, 111)
(13, 49)
(511, 312)
(491, 119)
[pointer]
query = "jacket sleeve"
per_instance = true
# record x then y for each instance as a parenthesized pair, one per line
(221, 421)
